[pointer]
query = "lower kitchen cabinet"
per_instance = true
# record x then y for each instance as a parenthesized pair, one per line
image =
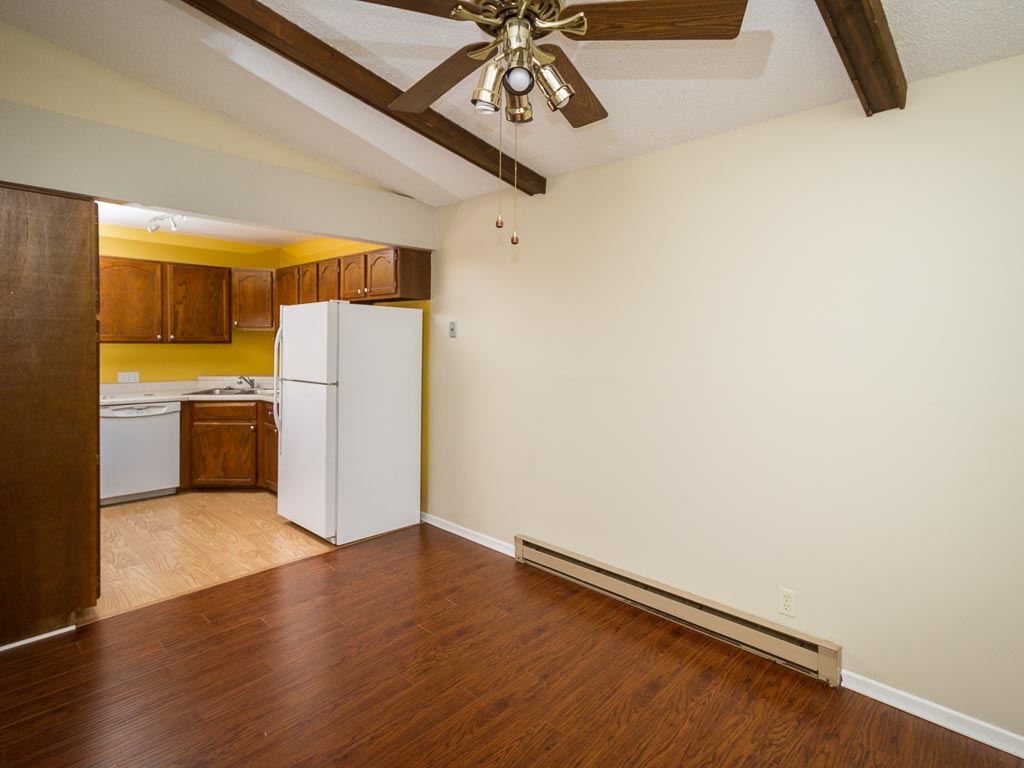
(230, 444)
(266, 474)
(221, 443)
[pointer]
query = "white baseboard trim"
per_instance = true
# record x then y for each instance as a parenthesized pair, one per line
(955, 721)
(37, 638)
(506, 548)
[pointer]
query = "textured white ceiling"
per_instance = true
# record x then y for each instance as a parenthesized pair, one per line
(139, 217)
(657, 94)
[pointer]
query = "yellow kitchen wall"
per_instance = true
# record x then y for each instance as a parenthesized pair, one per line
(321, 248)
(250, 352)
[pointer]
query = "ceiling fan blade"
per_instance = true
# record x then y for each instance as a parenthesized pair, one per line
(662, 19)
(438, 81)
(584, 107)
(431, 7)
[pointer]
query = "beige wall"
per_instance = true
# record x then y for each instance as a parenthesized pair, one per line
(42, 74)
(792, 355)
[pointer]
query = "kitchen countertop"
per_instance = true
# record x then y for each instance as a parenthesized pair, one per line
(178, 391)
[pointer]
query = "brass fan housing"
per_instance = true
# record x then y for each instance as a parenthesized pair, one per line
(502, 10)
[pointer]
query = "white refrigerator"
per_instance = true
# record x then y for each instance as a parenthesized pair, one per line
(347, 400)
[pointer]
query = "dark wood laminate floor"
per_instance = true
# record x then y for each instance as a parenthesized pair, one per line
(422, 649)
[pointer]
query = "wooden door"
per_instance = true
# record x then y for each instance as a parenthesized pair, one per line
(353, 276)
(197, 304)
(381, 274)
(252, 299)
(131, 300)
(328, 286)
(223, 454)
(49, 385)
(307, 283)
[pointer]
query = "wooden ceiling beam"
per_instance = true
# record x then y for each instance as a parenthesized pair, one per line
(287, 39)
(862, 35)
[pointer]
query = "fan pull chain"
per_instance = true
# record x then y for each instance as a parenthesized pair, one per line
(515, 191)
(499, 222)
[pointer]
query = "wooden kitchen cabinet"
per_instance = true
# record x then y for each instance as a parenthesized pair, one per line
(388, 274)
(131, 300)
(252, 299)
(197, 306)
(353, 276)
(286, 289)
(307, 283)
(328, 285)
(266, 470)
(222, 444)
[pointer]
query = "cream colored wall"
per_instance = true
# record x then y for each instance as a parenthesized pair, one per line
(39, 73)
(792, 355)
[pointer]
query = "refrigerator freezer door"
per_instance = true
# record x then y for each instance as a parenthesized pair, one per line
(307, 482)
(309, 342)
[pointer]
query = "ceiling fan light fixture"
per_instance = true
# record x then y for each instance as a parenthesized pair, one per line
(556, 90)
(519, 109)
(518, 78)
(487, 96)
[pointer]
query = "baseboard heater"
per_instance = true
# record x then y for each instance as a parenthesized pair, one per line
(818, 658)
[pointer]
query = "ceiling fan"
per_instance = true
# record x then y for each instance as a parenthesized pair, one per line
(513, 62)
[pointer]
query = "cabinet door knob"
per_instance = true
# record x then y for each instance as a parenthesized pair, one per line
(251, 427)
(236, 322)
(159, 336)
(172, 337)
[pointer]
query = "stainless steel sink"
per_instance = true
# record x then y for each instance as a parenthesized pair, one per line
(230, 391)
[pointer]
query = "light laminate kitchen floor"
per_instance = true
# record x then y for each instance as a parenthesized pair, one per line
(159, 548)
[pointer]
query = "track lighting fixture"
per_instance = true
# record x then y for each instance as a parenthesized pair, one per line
(173, 220)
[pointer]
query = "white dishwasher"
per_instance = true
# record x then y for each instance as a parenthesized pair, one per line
(138, 451)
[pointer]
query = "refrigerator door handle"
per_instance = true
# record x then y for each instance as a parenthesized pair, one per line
(277, 385)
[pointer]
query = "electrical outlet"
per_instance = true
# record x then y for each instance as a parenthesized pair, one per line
(453, 330)
(127, 377)
(787, 602)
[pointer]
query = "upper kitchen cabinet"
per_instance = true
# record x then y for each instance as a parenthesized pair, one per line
(328, 285)
(390, 274)
(198, 304)
(286, 289)
(307, 283)
(353, 276)
(131, 300)
(252, 299)
(381, 274)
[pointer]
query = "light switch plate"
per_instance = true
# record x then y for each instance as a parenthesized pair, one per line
(127, 377)
(453, 330)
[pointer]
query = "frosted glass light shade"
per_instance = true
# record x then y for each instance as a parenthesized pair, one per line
(519, 80)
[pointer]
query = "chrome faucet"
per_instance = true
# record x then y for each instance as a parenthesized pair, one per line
(248, 380)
